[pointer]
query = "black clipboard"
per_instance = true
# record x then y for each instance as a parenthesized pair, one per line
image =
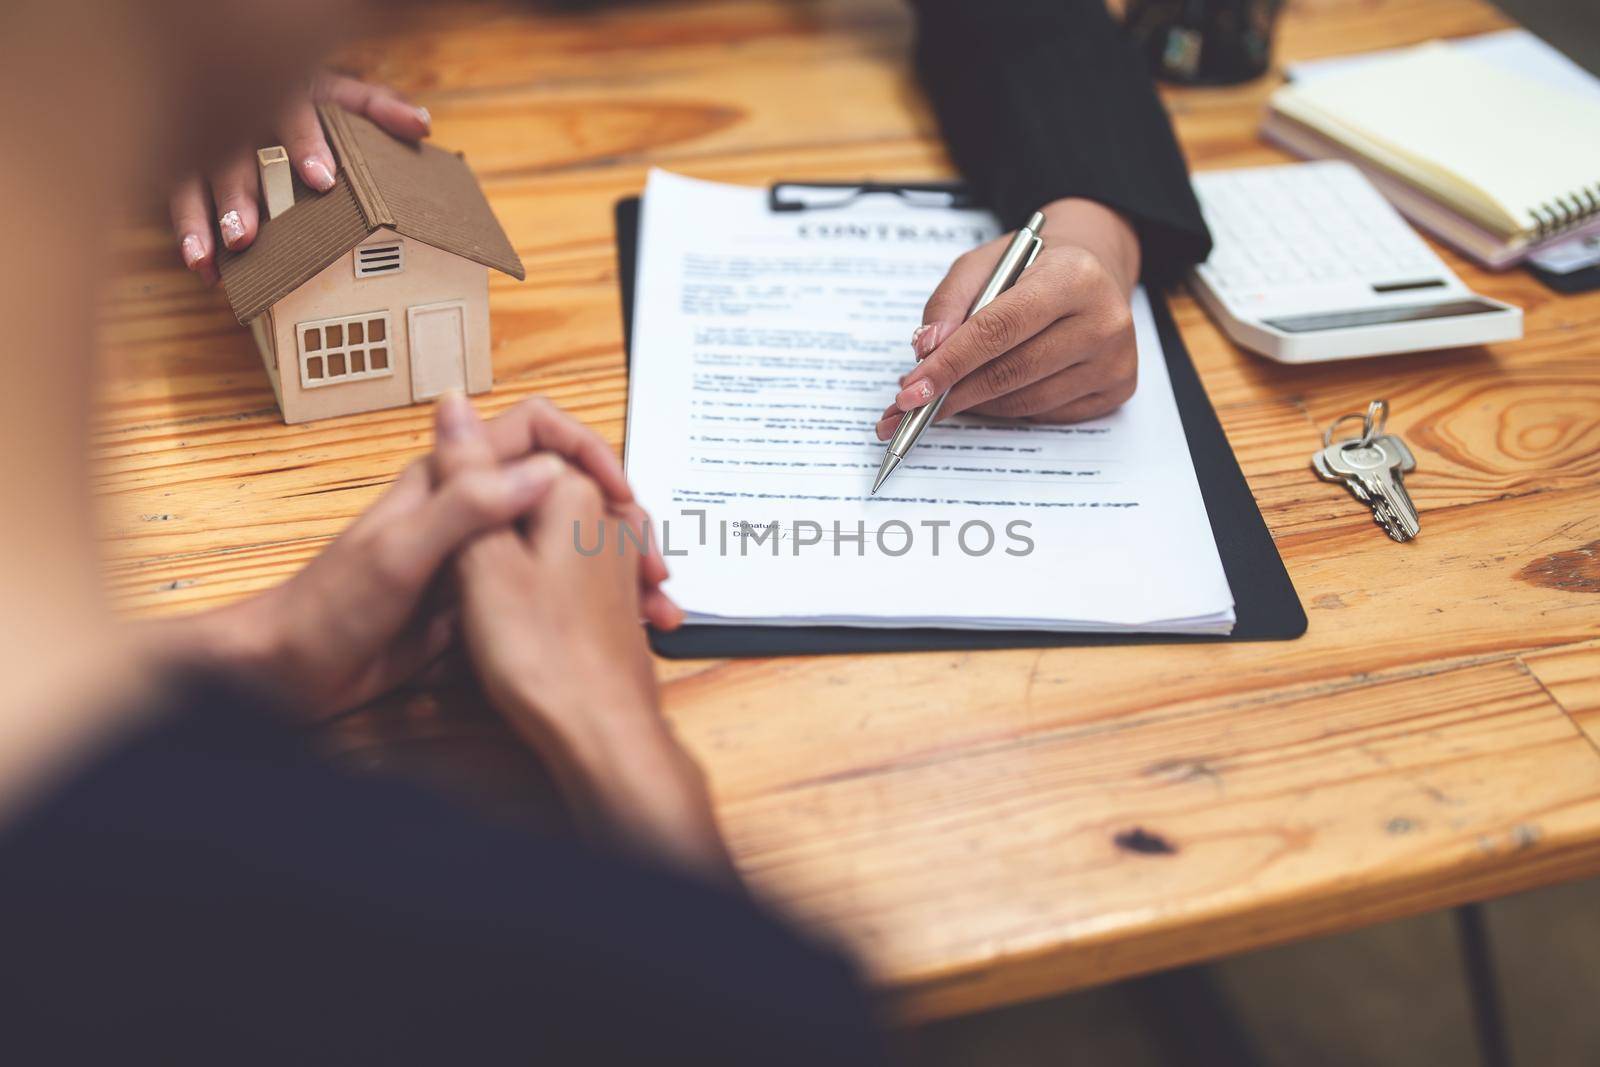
(1265, 603)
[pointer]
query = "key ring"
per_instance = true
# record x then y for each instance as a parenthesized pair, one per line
(1373, 424)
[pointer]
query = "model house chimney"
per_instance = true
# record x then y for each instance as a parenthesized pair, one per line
(277, 181)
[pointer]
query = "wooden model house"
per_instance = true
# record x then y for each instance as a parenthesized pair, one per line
(376, 293)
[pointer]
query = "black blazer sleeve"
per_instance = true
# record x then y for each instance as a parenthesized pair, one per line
(1042, 99)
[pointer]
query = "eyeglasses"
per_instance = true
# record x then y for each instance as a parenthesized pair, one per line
(818, 196)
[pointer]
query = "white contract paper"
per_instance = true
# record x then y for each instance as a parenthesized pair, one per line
(765, 347)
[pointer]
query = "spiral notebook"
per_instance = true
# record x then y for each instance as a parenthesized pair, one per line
(1516, 158)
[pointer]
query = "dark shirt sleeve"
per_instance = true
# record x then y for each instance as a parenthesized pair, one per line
(1043, 99)
(208, 893)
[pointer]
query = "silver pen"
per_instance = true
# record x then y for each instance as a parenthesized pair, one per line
(1024, 246)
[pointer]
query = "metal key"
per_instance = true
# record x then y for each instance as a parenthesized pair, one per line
(1328, 473)
(1374, 473)
(1401, 463)
(1373, 467)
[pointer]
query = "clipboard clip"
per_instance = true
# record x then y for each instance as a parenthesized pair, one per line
(820, 196)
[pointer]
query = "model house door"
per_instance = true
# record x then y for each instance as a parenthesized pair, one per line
(438, 348)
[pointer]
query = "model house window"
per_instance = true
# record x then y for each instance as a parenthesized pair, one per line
(344, 350)
(373, 260)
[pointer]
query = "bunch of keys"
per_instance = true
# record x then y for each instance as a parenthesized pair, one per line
(1372, 467)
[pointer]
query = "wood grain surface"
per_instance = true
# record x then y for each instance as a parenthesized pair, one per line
(982, 827)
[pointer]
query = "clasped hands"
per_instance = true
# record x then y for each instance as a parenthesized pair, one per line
(473, 548)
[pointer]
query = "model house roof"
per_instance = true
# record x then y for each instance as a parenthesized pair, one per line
(422, 192)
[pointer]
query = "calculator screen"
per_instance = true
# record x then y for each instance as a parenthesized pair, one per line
(1338, 320)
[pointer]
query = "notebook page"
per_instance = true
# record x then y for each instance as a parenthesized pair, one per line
(1490, 141)
(765, 348)
(1517, 51)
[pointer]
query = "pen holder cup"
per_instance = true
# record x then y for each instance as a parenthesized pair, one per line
(1204, 42)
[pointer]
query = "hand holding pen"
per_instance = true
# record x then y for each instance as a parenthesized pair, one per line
(1056, 347)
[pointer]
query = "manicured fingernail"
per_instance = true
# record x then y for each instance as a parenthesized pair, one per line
(425, 118)
(914, 395)
(318, 176)
(535, 473)
(916, 338)
(232, 228)
(193, 250)
(454, 417)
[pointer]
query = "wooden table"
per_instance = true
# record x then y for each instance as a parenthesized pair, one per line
(956, 817)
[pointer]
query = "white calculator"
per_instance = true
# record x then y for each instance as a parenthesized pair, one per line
(1311, 263)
